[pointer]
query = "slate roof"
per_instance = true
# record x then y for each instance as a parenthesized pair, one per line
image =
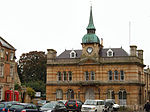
(117, 53)
(6, 44)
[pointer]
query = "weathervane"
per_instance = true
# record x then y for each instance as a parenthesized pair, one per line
(91, 2)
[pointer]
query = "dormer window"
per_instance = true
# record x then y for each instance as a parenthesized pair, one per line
(109, 53)
(72, 54)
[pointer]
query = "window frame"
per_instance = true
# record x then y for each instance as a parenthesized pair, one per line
(64, 76)
(116, 75)
(69, 76)
(122, 75)
(92, 75)
(59, 76)
(110, 74)
(86, 76)
(59, 94)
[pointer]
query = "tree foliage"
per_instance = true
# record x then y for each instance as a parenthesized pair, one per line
(32, 67)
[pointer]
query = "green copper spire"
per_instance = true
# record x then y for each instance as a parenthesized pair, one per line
(90, 37)
(91, 24)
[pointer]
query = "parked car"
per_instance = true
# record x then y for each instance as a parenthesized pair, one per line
(53, 106)
(73, 105)
(63, 101)
(4, 106)
(112, 106)
(93, 106)
(41, 102)
(23, 107)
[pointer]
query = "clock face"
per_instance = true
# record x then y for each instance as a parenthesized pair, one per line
(89, 50)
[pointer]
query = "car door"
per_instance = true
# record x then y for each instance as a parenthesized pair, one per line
(31, 108)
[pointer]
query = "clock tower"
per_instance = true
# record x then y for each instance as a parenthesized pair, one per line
(90, 42)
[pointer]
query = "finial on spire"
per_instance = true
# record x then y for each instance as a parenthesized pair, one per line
(91, 3)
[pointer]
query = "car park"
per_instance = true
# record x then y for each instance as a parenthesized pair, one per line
(4, 106)
(111, 105)
(73, 105)
(93, 106)
(53, 106)
(23, 107)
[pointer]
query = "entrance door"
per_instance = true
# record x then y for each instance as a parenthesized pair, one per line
(89, 94)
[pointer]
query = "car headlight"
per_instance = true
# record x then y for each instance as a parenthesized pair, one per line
(93, 108)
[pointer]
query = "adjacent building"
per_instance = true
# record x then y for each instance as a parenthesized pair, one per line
(95, 72)
(8, 71)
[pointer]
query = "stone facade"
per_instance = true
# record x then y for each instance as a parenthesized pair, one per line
(95, 72)
(8, 68)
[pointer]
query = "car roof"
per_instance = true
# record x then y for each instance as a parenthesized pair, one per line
(94, 100)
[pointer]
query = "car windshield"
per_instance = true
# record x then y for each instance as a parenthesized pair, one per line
(49, 105)
(17, 106)
(2, 105)
(90, 102)
(41, 101)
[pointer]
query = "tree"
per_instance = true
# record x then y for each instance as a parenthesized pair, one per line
(31, 92)
(32, 70)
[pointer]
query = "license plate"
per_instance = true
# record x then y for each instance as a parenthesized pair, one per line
(70, 105)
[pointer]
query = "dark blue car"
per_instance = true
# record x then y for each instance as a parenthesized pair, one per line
(4, 106)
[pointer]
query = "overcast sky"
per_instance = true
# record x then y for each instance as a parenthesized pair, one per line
(38, 25)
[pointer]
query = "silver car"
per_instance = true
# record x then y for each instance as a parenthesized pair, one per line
(93, 106)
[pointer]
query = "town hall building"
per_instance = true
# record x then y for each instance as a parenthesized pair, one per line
(95, 72)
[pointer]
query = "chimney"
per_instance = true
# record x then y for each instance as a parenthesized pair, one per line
(133, 50)
(140, 54)
(51, 54)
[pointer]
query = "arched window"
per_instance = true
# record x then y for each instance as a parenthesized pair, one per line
(73, 54)
(70, 94)
(59, 94)
(59, 76)
(121, 75)
(110, 94)
(92, 75)
(116, 75)
(70, 76)
(86, 76)
(110, 77)
(122, 97)
(64, 76)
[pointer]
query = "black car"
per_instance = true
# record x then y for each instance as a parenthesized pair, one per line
(53, 106)
(23, 107)
(4, 106)
(74, 105)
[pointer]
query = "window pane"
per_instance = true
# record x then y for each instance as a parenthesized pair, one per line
(59, 76)
(116, 75)
(1, 69)
(64, 76)
(121, 75)
(86, 76)
(59, 94)
(110, 75)
(70, 75)
(92, 75)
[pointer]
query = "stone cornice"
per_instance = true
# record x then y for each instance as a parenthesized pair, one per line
(100, 61)
(95, 83)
